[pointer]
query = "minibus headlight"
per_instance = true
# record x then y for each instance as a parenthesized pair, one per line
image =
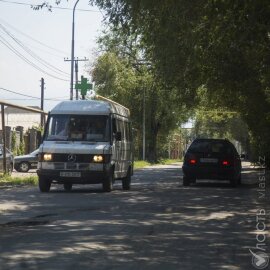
(98, 158)
(47, 157)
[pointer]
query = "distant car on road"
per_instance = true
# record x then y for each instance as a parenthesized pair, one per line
(9, 159)
(215, 159)
(26, 162)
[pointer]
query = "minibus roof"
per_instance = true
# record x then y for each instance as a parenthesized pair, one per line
(89, 107)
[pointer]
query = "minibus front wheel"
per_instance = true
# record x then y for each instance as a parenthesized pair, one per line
(108, 181)
(44, 184)
(127, 180)
(67, 186)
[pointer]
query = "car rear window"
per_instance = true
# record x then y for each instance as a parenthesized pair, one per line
(210, 147)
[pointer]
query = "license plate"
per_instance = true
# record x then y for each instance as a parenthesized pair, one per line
(208, 160)
(70, 174)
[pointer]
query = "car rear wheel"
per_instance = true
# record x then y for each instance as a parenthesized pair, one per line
(233, 182)
(68, 186)
(44, 184)
(240, 179)
(24, 166)
(193, 180)
(186, 181)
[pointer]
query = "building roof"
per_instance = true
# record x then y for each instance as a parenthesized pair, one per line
(12, 110)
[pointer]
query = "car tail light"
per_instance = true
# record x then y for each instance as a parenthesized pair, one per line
(192, 161)
(225, 162)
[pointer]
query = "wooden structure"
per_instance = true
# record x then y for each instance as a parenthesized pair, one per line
(3, 104)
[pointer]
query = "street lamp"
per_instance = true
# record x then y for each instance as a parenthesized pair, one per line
(72, 53)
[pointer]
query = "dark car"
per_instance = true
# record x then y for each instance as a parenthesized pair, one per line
(26, 162)
(214, 159)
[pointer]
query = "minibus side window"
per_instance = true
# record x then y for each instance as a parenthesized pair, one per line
(128, 131)
(114, 129)
(121, 127)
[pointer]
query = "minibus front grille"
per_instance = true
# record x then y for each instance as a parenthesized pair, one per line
(71, 166)
(83, 166)
(59, 166)
(78, 158)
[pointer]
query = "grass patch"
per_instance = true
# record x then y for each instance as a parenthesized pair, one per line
(7, 180)
(168, 161)
(142, 163)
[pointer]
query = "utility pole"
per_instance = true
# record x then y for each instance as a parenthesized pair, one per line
(42, 120)
(76, 78)
(76, 70)
(4, 138)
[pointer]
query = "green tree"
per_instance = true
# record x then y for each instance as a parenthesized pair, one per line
(223, 45)
(214, 121)
(124, 73)
(117, 79)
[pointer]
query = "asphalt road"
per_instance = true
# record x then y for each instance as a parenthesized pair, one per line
(158, 224)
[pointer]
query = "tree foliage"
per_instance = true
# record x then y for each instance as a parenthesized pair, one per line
(123, 74)
(221, 45)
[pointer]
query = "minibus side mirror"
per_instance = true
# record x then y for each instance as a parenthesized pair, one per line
(118, 136)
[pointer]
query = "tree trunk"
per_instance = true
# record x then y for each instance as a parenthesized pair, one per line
(152, 146)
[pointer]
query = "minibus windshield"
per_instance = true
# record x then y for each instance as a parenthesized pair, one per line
(93, 128)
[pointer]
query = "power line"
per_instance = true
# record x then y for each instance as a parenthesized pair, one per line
(32, 97)
(31, 53)
(46, 51)
(9, 46)
(37, 41)
(53, 7)
(48, 99)
(7, 90)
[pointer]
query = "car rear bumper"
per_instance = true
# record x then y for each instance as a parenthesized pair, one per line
(209, 172)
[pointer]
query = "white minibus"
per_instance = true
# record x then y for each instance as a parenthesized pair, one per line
(86, 142)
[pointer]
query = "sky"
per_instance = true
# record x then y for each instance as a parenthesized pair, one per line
(33, 45)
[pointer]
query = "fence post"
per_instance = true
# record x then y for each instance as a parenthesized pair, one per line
(26, 143)
(33, 139)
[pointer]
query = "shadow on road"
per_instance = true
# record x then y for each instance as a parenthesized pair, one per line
(159, 224)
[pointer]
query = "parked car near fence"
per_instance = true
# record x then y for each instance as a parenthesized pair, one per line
(26, 162)
(9, 159)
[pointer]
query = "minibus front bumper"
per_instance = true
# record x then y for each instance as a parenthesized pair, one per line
(94, 174)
